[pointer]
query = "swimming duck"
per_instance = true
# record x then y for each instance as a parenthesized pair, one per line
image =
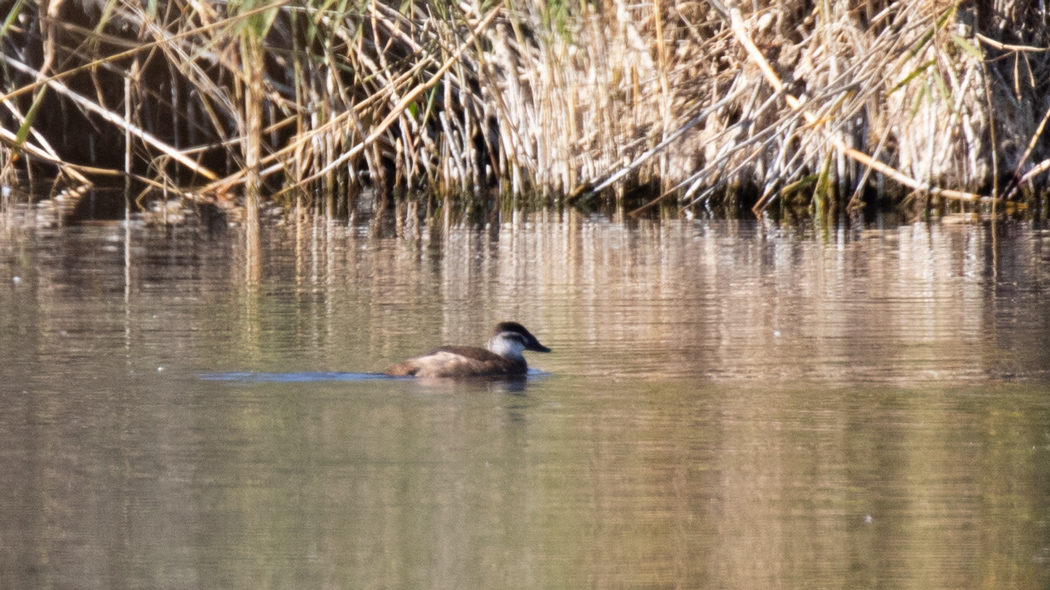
(501, 358)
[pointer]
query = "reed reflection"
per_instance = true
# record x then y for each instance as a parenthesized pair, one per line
(726, 404)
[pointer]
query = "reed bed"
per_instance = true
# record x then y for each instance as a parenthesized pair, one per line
(830, 104)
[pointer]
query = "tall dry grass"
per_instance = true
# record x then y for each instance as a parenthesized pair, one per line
(832, 104)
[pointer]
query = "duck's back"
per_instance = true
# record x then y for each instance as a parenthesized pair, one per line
(459, 361)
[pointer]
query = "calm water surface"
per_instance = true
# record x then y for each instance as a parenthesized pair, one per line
(728, 405)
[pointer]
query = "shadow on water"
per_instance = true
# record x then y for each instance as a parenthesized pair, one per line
(304, 377)
(507, 385)
(318, 376)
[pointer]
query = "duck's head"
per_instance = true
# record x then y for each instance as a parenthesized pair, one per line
(510, 339)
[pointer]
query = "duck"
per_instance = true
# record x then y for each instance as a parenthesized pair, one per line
(502, 357)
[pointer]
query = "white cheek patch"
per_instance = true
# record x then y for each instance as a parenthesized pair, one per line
(509, 347)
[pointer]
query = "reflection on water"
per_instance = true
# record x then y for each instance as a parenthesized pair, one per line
(727, 405)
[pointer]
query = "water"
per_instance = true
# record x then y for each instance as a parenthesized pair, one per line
(728, 404)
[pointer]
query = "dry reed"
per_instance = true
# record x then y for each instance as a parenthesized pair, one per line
(830, 103)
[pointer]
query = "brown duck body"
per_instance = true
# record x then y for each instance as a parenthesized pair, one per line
(459, 361)
(503, 357)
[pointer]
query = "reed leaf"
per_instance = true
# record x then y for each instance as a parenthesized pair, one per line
(942, 89)
(27, 123)
(12, 16)
(921, 69)
(967, 46)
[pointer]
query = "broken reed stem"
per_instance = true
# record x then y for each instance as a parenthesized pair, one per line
(400, 107)
(144, 47)
(737, 24)
(1019, 179)
(92, 107)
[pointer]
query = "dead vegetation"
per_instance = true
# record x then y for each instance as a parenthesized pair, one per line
(831, 104)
